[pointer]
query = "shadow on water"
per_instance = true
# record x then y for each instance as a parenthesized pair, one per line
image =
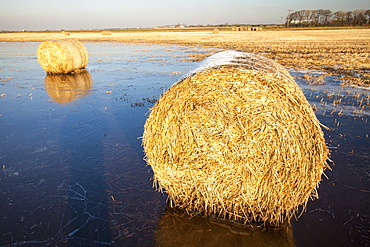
(177, 228)
(87, 215)
(86, 220)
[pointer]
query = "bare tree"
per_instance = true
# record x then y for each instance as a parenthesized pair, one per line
(322, 17)
(339, 18)
(349, 18)
(302, 17)
(310, 14)
(325, 17)
(367, 15)
(359, 17)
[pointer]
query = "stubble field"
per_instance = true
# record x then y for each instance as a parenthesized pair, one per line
(341, 53)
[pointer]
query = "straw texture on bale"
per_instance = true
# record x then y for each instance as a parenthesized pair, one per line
(236, 138)
(62, 56)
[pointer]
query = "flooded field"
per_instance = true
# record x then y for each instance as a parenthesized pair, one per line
(72, 169)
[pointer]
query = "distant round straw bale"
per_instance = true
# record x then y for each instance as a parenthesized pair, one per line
(236, 138)
(106, 33)
(62, 56)
(216, 31)
(65, 88)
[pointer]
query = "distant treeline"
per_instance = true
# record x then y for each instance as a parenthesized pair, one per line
(325, 17)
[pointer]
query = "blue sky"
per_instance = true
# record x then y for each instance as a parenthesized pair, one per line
(91, 14)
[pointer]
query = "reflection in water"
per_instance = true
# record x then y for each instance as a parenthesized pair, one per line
(177, 228)
(64, 88)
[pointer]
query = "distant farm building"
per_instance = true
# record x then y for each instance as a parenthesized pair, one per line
(246, 28)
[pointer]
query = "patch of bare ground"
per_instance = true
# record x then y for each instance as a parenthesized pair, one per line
(342, 53)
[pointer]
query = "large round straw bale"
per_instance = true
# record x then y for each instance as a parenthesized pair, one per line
(236, 138)
(62, 56)
(65, 88)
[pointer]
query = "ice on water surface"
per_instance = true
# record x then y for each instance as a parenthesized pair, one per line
(72, 171)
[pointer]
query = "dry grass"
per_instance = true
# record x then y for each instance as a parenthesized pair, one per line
(237, 141)
(65, 88)
(62, 56)
(314, 79)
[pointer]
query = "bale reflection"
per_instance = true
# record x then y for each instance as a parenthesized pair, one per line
(64, 88)
(177, 228)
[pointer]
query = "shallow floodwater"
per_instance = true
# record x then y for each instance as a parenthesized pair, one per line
(71, 163)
